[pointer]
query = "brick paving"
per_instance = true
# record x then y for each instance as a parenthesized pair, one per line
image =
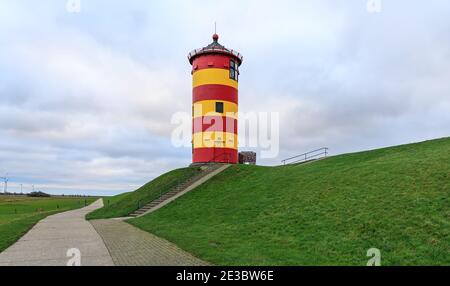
(130, 246)
(48, 242)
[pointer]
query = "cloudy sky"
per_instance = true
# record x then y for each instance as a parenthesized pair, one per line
(86, 99)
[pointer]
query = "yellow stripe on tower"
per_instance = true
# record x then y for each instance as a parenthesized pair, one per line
(208, 108)
(216, 139)
(213, 76)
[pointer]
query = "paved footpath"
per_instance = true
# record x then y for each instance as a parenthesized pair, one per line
(48, 242)
(131, 246)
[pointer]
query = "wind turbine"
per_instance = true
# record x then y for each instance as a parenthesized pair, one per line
(5, 180)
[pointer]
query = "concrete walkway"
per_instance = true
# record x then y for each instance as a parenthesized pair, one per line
(48, 242)
(130, 246)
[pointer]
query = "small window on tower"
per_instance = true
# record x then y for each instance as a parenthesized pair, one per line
(219, 107)
(232, 75)
(234, 72)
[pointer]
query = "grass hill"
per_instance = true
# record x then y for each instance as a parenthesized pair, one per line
(329, 212)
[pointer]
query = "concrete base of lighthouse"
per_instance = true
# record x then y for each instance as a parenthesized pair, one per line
(207, 164)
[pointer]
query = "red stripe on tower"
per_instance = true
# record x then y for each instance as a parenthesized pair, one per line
(215, 92)
(217, 61)
(219, 155)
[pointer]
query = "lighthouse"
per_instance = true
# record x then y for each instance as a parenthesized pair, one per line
(215, 77)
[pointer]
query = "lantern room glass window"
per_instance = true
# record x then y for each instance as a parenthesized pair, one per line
(234, 70)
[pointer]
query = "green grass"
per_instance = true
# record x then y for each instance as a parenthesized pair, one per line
(19, 213)
(329, 212)
(124, 204)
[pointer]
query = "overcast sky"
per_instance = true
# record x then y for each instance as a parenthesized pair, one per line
(86, 98)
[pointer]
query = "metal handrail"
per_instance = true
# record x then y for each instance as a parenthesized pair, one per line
(306, 157)
(198, 175)
(309, 158)
(213, 49)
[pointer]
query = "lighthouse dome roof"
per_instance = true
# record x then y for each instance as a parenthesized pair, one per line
(215, 48)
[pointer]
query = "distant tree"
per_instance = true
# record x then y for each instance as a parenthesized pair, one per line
(38, 194)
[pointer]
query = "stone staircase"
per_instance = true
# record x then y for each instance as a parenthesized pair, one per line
(208, 171)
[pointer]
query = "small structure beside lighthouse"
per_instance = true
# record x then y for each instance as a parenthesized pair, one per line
(215, 76)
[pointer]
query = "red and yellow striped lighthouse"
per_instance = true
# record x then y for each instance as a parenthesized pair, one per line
(215, 75)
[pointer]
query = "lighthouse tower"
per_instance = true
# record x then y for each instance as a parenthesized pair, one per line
(215, 76)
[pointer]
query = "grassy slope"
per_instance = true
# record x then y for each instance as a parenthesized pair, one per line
(123, 204)
(326, 213)
(13, 225)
